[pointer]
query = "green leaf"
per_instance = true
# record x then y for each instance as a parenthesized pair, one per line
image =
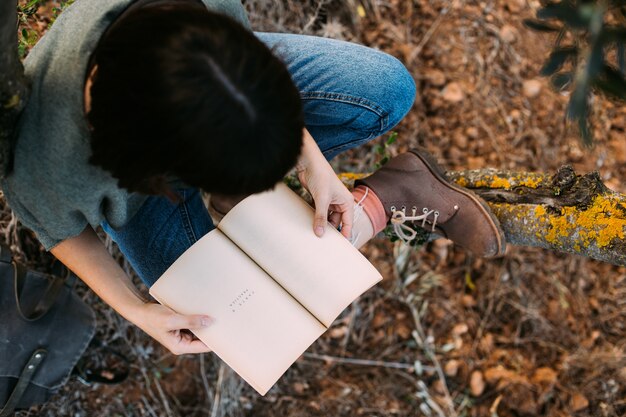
(578, 107)
(612, 34)
(566, 12)
(557, 59)
(585, 132)
(540, 26)
(611, 82)
(562, 80)
(392, 138)
(578, 110)
(595, 61)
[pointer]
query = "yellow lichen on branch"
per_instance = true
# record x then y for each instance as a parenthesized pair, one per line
(601, 223)
(564, 212)
(490, 178)
(597, 231)
(348, 178)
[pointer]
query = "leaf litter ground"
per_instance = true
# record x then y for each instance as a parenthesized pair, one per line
(532, 334)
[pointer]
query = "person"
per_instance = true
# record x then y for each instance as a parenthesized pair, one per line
(138, 105)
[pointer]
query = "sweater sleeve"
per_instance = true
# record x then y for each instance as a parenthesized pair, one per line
(232, 8)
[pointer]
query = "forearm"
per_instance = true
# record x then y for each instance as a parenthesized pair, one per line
(88, 258)
(310, 153)
(328, 192)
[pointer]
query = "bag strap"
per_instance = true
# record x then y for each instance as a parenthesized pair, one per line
(22, 383)
(5, 254)
(47, 299)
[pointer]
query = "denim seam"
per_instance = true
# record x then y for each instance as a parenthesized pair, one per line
(184, 211)
(349, 145)
(346, 98)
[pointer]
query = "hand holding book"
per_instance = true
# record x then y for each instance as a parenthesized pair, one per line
(328, 192)
(164, 324)
(272, 286)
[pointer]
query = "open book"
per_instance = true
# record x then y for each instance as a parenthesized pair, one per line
(272, 286)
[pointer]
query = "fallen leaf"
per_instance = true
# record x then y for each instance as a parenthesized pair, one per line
(468, 301)
(451, 368)
(531, 88)
(579, 402)
(453, 93)
(544, 375)
(508, 34)
(515, 6)
(338, 332)
(300, 387)
(436, 78)
(477, 383)
(403, 331)
(497, 373)
(460, 329)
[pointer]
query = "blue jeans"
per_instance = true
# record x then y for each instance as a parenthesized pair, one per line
(350, 95)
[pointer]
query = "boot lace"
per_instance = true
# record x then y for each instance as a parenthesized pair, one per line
(399, 218)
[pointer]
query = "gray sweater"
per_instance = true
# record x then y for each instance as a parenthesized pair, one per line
(53, 189)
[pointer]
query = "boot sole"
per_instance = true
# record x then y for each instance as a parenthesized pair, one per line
(435, 169)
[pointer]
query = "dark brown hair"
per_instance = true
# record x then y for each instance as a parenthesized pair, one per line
(183, 92)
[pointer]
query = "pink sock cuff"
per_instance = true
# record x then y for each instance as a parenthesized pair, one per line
(372, 206)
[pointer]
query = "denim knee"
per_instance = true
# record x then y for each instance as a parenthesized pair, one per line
(398, 89)
(391, 92)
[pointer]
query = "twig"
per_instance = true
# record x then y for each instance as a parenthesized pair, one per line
(144, 373)
(316, 14)
(354, 309)
(148, 406)
(401, 268)
(492, 137)
(530, 312)
(432, 356)
(423, 392)
(205, 380)
(429, 33)
(164, 400)
(366, 362)
(218, 391)
(488, 311)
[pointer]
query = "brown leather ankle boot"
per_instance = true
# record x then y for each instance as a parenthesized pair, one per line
(413, 188)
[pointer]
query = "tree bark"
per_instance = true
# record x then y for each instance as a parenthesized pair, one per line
(564, 212)
(13, 87)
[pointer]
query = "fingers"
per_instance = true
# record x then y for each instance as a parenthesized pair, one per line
(335, 218)
(179, 321)
(182, 341)
(347, 217)
(191, 344)
(321, 211)
(185, 343)
(196, 346)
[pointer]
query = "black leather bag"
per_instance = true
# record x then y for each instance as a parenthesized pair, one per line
(44, 330)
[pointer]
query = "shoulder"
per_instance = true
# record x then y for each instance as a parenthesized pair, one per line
(232, 8)
(76, 31)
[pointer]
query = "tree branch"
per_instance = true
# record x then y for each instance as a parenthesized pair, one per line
(564, 212)
(13, 87)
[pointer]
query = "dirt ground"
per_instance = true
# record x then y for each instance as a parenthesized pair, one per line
(445, 334)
